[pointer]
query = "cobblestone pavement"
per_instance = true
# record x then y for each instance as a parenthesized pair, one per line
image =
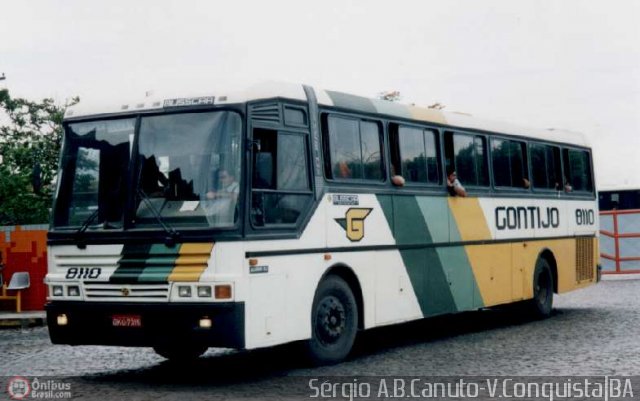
(592, 332)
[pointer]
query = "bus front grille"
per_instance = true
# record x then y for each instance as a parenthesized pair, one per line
(584, 259)
(121, 292)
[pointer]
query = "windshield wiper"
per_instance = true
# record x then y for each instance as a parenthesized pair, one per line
(80, 242)
(172, 234)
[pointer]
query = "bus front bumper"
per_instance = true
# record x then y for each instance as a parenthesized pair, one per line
(146, 324)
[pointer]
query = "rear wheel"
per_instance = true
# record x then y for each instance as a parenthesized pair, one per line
(334, 322)
(542, 303)
(181, 353)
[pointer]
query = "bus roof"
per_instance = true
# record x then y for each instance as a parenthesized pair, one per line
(270, 90)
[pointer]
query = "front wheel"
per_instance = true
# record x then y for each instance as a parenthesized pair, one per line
(334, 322)
(542, 303)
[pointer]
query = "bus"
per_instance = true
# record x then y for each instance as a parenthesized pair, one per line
(619, 198)
(286, 213)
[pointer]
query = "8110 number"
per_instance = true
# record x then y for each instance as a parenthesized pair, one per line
(83, 273)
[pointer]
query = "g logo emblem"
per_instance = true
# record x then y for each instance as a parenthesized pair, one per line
(353, 223)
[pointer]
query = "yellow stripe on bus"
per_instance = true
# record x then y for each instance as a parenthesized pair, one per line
(430, 115)
(192, 262)
(191, 249)
(469, 219)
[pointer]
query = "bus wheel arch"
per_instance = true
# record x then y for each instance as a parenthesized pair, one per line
(543, 282)
(547, 255)
(346, 273)
(334, 317)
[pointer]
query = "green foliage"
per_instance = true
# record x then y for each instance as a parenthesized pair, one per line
(30, 135)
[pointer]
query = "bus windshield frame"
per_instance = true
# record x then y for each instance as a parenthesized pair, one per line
(181, 170)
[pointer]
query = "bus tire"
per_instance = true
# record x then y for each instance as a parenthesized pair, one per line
(542, 303)
(334, 322)
(183, 353)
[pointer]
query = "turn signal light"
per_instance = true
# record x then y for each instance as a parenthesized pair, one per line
(223, 291)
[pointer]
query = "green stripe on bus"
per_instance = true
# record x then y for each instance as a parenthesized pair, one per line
(131, 263)
(348, 101)
(145, 263)
(463, 272)
(423, 266)
(454, 260)
(393, 109)
(161, 261)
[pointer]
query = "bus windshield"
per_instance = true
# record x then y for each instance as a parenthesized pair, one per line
(186, 169)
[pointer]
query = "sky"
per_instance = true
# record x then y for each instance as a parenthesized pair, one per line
(564, 64)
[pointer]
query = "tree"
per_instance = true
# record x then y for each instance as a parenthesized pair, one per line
(30, 141)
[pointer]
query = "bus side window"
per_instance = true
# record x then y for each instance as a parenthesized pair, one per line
(467, 155)
(354, 149)
(280, 182)
(510, 167)
(577, 170)
(414, 154)
(546, 167)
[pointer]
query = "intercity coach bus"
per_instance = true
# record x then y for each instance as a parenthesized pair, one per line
(290, 214)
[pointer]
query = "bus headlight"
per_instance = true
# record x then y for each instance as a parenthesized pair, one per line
(184, 291)
(73, 291)
(204, 291)
(57, 291)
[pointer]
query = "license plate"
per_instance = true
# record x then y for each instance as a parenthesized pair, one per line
(126, 321)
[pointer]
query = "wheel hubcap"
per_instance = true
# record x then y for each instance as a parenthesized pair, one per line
(331, 319)
(542, 288)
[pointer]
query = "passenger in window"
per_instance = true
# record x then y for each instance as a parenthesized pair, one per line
(525, 183)
(344, 170)
(568, 187)
(226, 188)
(454, 186)
(396, 179)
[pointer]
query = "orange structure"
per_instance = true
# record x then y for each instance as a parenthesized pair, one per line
(620, 241)
(24, 249)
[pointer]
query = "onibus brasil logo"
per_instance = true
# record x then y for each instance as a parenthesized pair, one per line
(20, 388)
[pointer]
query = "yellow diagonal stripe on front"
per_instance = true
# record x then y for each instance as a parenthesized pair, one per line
(192, 262)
